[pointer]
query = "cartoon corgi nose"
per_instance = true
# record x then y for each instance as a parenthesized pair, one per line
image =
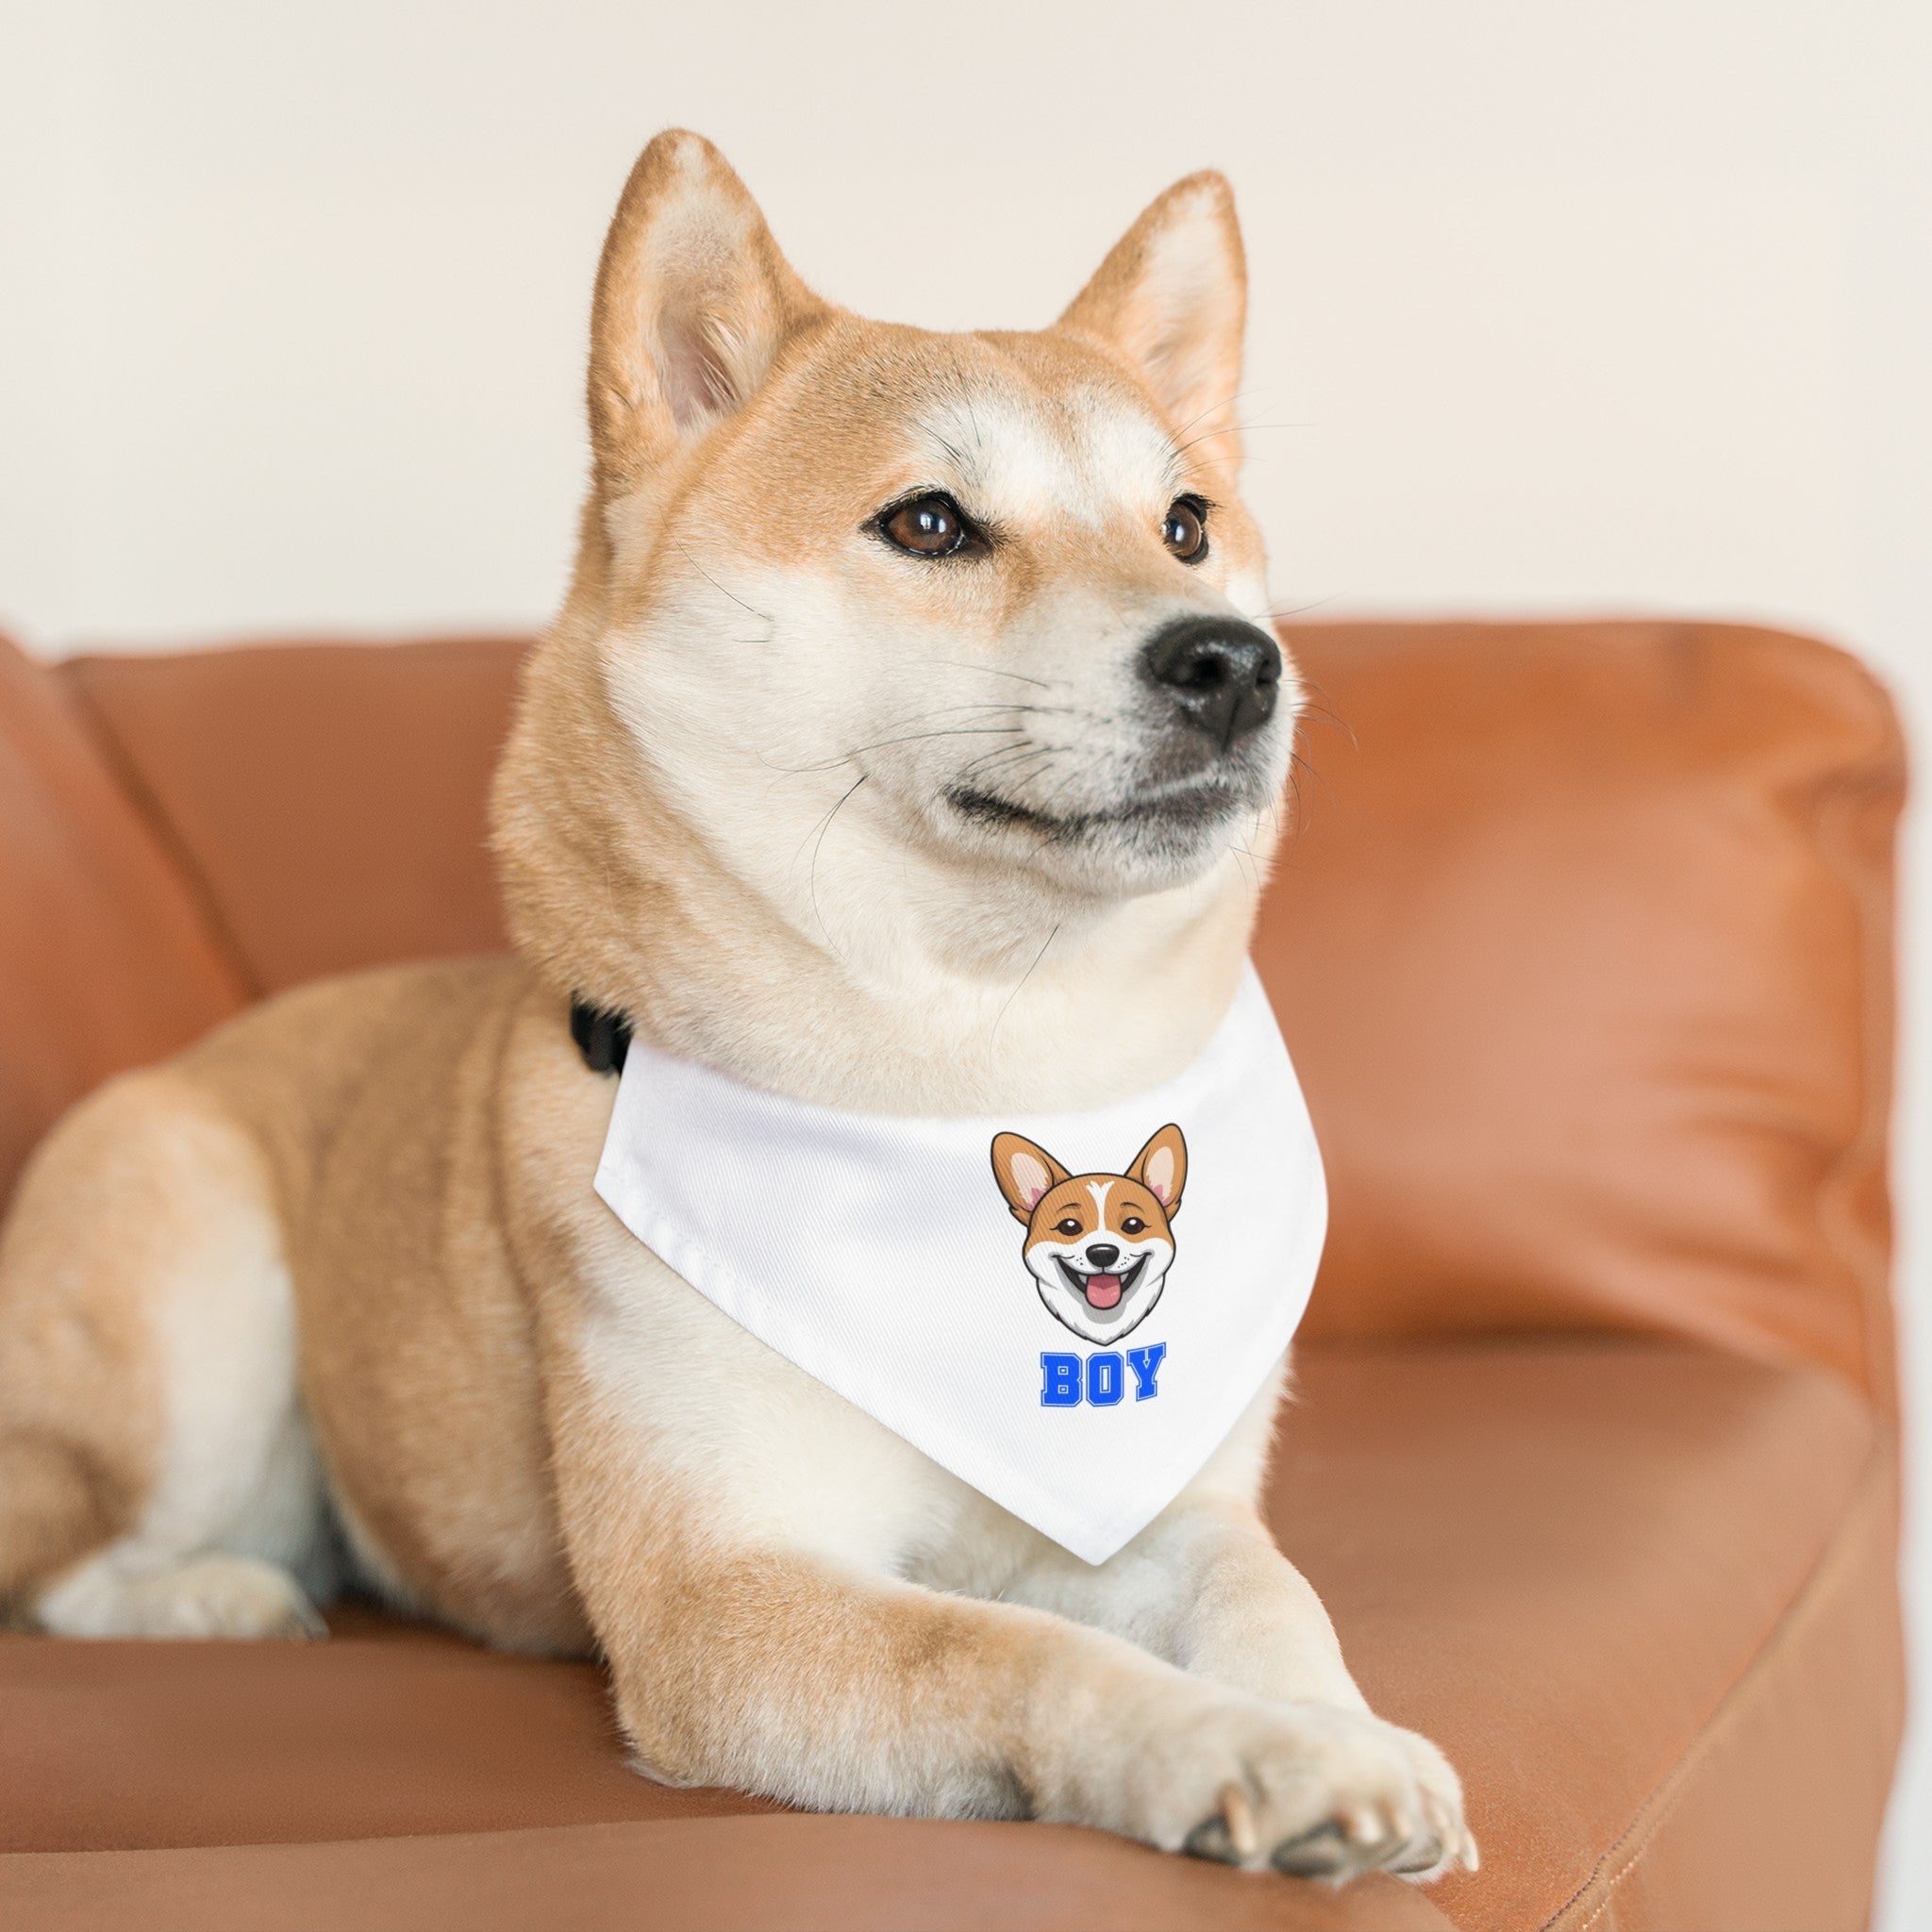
(1102, 1254)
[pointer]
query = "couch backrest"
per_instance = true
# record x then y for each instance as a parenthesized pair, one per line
(330, 796)
(1582, 943)
(1585, 953)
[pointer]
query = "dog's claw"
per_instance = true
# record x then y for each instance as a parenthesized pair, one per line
(1240, 1815)
(1228, 1837)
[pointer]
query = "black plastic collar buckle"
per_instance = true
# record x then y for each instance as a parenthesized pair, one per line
(603, 1038)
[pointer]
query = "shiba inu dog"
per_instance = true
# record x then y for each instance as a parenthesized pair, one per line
(906, 742)
(1098, 1245)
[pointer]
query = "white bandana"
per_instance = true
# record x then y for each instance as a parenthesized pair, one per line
(1007, 1294)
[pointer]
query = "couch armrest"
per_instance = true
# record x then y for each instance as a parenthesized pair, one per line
(107, 957)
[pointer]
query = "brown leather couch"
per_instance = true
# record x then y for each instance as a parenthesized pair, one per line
(1584, 949)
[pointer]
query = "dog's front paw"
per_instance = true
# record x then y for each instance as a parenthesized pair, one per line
(1310, 1789)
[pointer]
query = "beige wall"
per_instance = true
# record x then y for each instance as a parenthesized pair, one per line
(1543, 316)
(1556, 307)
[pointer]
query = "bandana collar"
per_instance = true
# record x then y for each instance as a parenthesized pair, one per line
(1067, 1311)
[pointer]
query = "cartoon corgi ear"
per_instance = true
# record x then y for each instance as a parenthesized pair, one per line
(1162, 1167)
(1024, 1172)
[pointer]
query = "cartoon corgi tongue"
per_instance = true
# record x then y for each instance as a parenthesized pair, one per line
(1103, 1291)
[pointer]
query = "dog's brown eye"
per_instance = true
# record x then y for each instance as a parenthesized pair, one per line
(928, 526)
(1132, 1224)
(1185, 532)
(1069, 1227)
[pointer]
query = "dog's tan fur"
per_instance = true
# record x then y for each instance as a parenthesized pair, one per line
(332, 1289)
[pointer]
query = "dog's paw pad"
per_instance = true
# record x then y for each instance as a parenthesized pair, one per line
(1323, 1852)
(1418, 1858)
(1210, 1840)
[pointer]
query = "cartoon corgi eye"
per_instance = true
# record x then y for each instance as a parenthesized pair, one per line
(1069, 1227)
(1185, 530)
(1133, 1224)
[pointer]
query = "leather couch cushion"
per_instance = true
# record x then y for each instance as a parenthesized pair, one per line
(106, 955)
(1579, 1568)
(702, 1875)
(1574, 1563)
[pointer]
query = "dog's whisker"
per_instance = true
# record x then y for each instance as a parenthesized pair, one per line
(995, 671)
(1024, 761)
(1326, 711)
(1002, 707)
(764, 617)
(984, 763)
(922, 737)
(1288, 610)
(1079, 772)
(812, 878)
(1026, 765)
(1022, 979)
(846, 757)
(1225, 402)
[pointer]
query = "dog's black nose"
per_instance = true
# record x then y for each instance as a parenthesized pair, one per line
(1102, 1254)
(1223, 674)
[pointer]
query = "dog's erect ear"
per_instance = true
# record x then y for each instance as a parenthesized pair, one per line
(1172, 298)
(1161, 1168)
(694, 303)
(1024, 1172)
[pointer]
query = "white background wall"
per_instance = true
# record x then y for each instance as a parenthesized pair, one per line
(1556, 307)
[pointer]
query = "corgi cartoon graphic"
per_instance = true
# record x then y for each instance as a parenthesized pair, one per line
(1098, 1245)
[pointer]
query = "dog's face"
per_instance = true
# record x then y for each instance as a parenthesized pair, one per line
(1098, 1245)
(990, 598)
